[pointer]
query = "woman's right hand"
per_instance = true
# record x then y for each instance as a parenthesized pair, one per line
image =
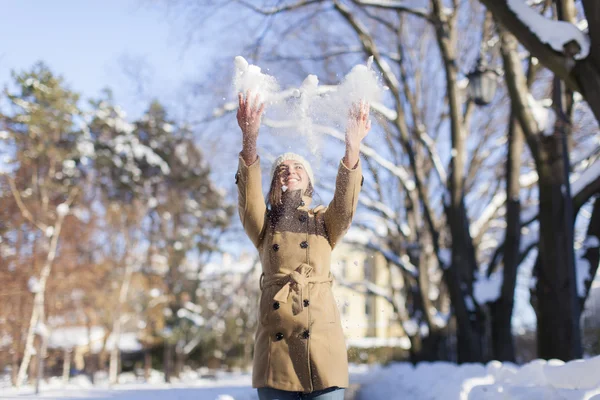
(248, 116)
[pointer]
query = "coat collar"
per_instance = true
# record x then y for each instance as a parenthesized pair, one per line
(296, 199)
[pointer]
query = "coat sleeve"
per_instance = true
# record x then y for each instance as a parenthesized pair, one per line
(251, 204)
(338, 216)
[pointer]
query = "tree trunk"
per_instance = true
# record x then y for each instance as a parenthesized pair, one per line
(459, 276)
(113, 368)
(179, 358)
(115, 354)
(501, 310)
(167, 361)
(459, 279)
(38, 301)
(147, 363)
(416, 349)
(66, 366)
(428, 348)
(425, 348)
(41, 356)
(592, 253)
(14, 367)
(558, 331)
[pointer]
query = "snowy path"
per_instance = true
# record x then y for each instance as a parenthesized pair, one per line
(148, 393)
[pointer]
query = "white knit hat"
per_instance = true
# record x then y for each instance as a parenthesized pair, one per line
(293, 156)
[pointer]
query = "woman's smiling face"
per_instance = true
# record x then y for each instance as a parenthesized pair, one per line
(293, 175)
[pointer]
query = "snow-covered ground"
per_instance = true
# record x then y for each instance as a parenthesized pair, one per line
(543, 380)
(547, 380)
(223, 386)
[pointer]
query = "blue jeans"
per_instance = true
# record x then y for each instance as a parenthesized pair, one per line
(332, 393)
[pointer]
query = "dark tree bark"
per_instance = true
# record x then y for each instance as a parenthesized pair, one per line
(501, 310)
(555, 296)
(558, 325)
(592, 253)
(167, 360)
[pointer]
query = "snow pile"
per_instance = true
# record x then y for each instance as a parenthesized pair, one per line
(309, 109)
(538, 379)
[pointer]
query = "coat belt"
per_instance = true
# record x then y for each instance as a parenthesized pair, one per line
(296, 281)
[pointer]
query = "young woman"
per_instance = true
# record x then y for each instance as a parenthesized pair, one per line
(299, 351)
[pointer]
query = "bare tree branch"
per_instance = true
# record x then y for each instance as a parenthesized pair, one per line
(398, 6)
(277, 10)
(24, 211)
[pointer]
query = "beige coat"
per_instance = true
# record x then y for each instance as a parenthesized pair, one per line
(299, 344)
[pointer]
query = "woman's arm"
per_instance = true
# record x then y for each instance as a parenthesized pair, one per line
(338, 216)
(251, 204)
(248, 117)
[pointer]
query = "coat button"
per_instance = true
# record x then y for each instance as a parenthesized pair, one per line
(303, 218)
(305, 334)
(279, 336)
(306, 302)
(304, 244)
(276, 305)
(237, 177)
(275, 247)
(302, 203)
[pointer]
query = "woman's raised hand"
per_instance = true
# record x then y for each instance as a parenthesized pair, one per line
(248, 116)
(359, 125)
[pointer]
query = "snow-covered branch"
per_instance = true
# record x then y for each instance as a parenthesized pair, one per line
(538, 35)
(556, 34)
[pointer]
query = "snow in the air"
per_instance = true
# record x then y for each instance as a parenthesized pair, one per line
(554, 33)
(310, 109)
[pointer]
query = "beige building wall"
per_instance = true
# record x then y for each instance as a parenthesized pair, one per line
(363, 316)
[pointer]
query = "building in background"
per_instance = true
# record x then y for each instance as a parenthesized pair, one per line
(368, 320)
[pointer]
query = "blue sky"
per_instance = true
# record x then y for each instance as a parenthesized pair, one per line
(93, 43)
